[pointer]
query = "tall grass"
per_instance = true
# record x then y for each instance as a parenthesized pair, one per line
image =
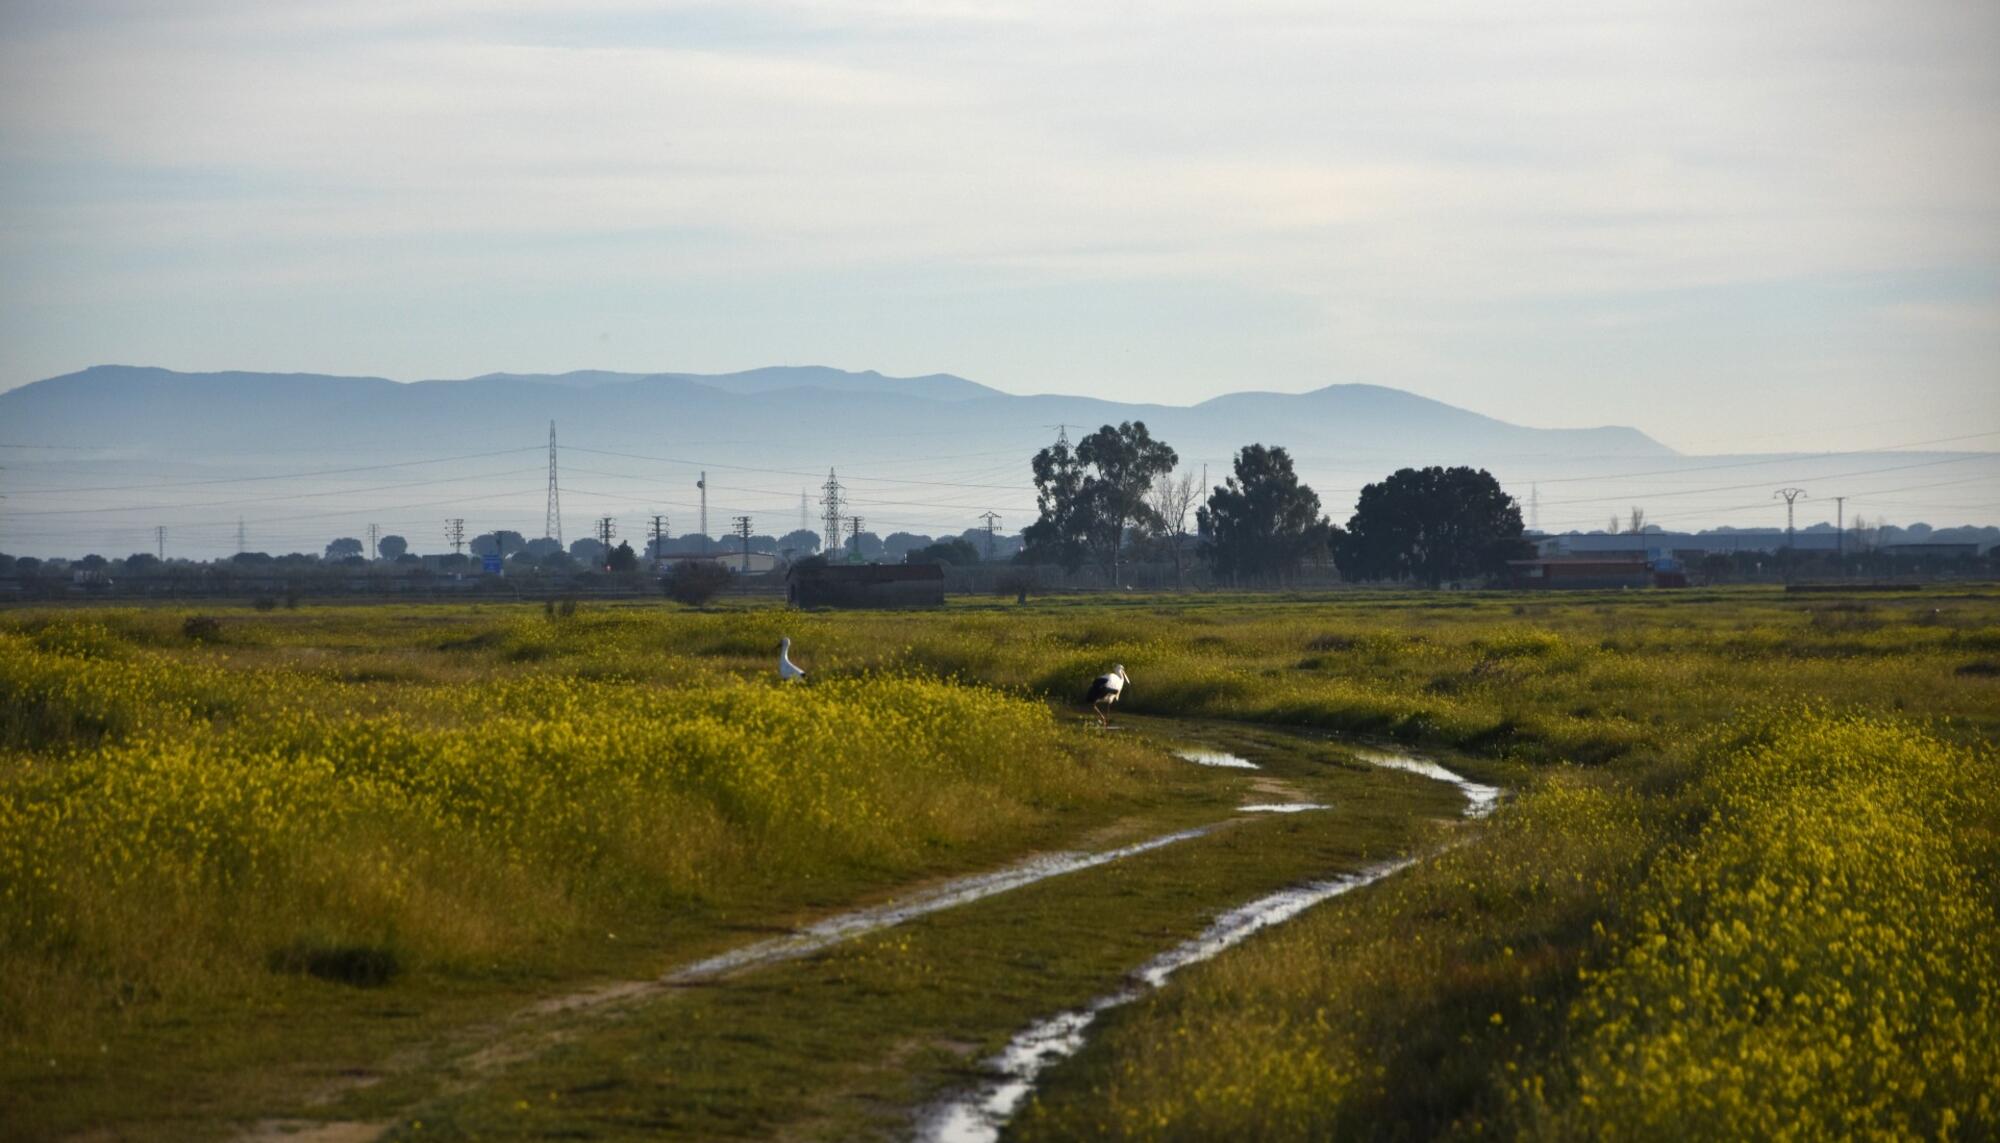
(176, 822)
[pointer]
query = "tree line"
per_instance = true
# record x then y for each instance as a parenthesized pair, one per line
(1115, 491)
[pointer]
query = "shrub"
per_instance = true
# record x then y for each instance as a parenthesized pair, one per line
(1017, 582)
(202, 629)
(695, 582)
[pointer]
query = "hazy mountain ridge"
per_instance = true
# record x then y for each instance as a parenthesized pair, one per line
(151, 408)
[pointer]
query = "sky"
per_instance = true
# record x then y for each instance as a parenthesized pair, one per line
(1735, 224)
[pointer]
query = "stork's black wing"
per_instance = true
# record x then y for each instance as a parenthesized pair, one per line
(1100, 689)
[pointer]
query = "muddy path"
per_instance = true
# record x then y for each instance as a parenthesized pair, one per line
(877, 1021)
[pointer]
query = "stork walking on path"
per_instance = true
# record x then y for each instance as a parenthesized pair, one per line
(786, 669)
(1106, 690)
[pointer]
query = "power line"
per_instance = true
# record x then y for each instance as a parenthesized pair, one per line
(1788, 458)
(270, 499)
(153, 484)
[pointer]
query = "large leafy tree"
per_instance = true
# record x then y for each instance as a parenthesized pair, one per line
(1091, 494)
(1262, 523)
(1062, 531)
(1432, 525)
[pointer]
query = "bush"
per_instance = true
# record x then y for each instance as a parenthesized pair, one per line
(1017, 582)
(202, 629)
(695, 582)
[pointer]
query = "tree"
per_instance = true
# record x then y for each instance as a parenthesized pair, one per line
(587, 551)
(695, 582)
(92, 562)
(500, 543)
(1431, 525)
(1127, 460)
(342, 548)
(899, 545)
(623, 558)
(863, 546)
(1262, 523)
(804, 541)
(1089, 496)
(142, 563)
(1171, 498)
(541, 547)
(1061, 533)
(954, 551)
(391, 547)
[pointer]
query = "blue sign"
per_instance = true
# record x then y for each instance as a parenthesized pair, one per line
(490, 564)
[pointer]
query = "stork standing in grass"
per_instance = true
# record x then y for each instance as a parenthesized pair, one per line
(787, 670)
(1106, 690)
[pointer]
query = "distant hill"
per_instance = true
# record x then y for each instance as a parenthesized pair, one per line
(771, 412)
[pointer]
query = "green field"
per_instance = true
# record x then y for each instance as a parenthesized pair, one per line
(344, 865)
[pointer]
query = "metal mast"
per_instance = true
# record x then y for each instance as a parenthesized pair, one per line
(830, 505)
(552, 524)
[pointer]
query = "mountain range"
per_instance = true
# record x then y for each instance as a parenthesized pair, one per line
(96, 460)
(150, 410)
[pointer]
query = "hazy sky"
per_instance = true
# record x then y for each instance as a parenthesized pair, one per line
(1734, 224)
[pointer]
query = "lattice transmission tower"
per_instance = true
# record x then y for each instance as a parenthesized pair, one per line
(552, 524)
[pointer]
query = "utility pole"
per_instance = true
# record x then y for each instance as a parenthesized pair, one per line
(239, 536)
(374, 539)
(991, 517)
(1534, 508)
(805, 518)
(607, 527)
(854, 537)
(1840, 530)
(160, 539)
(743, 534)
(1789, 496)
(830, 505)
(454, 534)
(552, 522)
(659, 537)
(703, 485)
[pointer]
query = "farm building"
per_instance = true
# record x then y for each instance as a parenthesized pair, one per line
(866, 585)
(1626, 571)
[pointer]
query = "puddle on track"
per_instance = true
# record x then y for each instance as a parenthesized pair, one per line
(978, 1116)
(1216, 758)
(1281, 807)
(1479, 799)
(846, 926)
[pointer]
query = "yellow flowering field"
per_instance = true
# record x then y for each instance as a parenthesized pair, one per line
(180, 817)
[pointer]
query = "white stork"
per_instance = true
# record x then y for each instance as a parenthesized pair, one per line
(787, 670)
(1106, 690)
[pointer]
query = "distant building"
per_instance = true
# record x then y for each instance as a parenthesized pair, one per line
(866, 585)
(1558, 573)
(759, 563)
(1929, 551)
(1684, 545)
